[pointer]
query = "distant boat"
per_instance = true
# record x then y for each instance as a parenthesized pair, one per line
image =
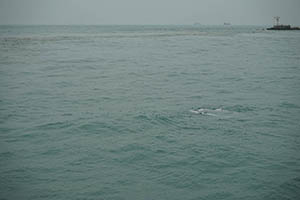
(283, 27)
(280, 27)
(227, 24)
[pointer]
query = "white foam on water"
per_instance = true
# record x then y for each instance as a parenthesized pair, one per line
(194, 111)
(206, 111)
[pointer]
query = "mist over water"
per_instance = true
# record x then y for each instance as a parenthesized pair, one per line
(149, 112)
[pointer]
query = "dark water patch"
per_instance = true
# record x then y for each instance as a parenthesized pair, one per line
(196, 97)
(67, 114)
(51, 152)
(222, 91)
(241, 108)
(159, 119)
(56, 75)
(167, 121)
(6, 156)
(104, 128)
(131, 147)
(132, 154)
(55, 125)
(175, 122)
(290, 189)
(289, 105)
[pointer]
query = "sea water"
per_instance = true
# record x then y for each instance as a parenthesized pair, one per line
(149, 112)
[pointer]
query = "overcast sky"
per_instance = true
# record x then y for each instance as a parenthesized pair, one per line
(248, 12)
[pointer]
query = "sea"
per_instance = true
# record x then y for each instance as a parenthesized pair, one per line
(154, 112)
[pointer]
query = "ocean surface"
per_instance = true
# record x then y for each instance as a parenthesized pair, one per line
(149, 112)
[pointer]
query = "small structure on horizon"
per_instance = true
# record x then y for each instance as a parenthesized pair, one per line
(277, 26)
(276, 20)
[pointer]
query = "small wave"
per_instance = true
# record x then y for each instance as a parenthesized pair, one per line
(160, 119)
(55, 125)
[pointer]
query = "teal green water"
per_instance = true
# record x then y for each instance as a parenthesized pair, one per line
(149, 112)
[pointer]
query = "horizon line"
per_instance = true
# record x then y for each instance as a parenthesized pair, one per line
(192, 24)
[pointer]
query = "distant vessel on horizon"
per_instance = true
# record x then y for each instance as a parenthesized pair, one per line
(277, 26)
(227, 24)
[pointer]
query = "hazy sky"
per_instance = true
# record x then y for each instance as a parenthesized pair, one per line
(258, 12)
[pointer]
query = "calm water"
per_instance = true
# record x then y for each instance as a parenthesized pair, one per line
(149, 112)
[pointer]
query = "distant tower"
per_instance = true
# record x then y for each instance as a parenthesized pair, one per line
(276, 20)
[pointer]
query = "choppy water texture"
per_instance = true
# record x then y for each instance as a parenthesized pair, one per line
(149, 112)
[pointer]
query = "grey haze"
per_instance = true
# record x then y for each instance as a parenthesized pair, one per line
(256, 12)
